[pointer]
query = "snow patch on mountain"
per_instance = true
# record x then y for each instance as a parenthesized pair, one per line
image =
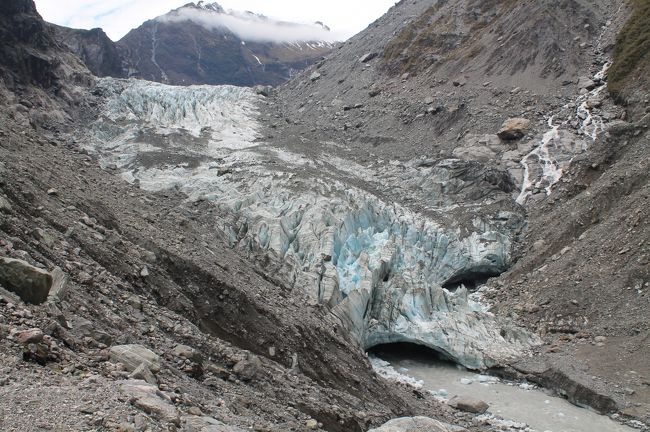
(251, 27)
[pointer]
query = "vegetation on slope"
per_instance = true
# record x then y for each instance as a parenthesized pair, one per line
(632, 52)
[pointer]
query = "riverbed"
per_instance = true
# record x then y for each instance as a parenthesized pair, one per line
(519, 404)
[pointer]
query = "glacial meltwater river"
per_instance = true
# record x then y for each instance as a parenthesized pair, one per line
(515, 403)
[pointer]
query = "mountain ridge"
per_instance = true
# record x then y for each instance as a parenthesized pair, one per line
(183, 48)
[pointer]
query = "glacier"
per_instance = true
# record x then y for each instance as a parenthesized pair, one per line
(328, 225)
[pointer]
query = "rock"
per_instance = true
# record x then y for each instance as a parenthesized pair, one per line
(212, 382)
(5, 207)
(469, 404)
(83, 328)
(466, 381)
(52, 192)
(311, 424)
(195, 411)
(144, 272)
(248, 369)
(59, 289)
(158, 408)
(37, 353)
(374, 91)
(478, 153)
(459, 82)
(135, 302)
(207, 424)
(315, 76)
(142, 372)
(367, 57)
(600, 339)
(263, 90)
(586, 83)
(141, 422)
(417, 424)
(126, 427)
(186, 352)
(513, 129)
(428, 101)
(43, 237)
(30, 336)
(149, 399)
(32, 284)
(132, 356)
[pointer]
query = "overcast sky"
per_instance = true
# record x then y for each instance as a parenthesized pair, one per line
(117, 17)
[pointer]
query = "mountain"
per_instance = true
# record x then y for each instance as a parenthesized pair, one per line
(201, 43)
(98, 52)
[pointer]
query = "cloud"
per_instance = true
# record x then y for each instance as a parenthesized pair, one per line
(253, 28)
(117, 17)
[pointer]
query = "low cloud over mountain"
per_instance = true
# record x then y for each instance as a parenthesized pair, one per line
(250, 27)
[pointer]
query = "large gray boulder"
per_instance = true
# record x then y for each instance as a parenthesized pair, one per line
(469, 404)
(132, 356)
(30, 283)
(417, 424)
(206, 424)
(513, 129)
(149, 399)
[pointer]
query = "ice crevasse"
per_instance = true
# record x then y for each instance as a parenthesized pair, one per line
(379, 267)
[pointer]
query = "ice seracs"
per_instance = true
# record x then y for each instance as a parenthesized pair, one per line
(386, 273)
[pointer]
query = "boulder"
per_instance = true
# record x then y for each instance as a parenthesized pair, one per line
(513, 129)
(315, 76)
(187, 352)
(206, 424)
(59, 289)
(142, 372)
(248, 369)
(417, 424)
(30, 336)
(132, 356)
(5, 206)
(586, 83)
(83, 328)
(367, 57)
(149, 399)
(469, 404)
(158, 408)
(32, 284)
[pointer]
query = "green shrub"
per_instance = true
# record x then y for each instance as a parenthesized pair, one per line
(632, 51)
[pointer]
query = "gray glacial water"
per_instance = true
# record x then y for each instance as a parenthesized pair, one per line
(517, 404)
